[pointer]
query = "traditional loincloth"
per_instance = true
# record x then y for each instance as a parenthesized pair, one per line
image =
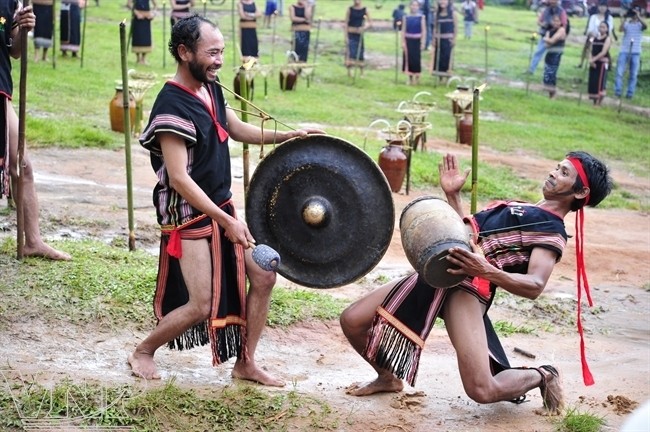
(225, 330)
(405, 319)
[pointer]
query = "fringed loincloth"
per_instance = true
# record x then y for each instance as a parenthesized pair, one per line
(226, 328)
(405, 319)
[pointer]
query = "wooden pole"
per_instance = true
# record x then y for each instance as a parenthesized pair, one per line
(164, 33)
(487, 29)
(127, 134)
(243, 84)
(474, 150)
(53, 34)
(234, 33)
(83, 36)
(397, 35)
(533, 38)
(22, 105)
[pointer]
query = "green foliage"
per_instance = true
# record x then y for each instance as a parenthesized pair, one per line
(68, 105)
(506, 328)
(289, 306)
(576, 421)
(160, 408)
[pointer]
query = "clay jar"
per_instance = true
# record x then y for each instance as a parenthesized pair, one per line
(288, 78)
(393, 163)
(116, 110)
(237, 87)
(465, 128)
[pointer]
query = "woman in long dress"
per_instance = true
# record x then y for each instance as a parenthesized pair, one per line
(180, 9)
(300, 15)
(70, 32)
(143, 12)
(599, 64)
(444, 34)
(43, 32)
(248, 14)
(357, 20)
(413, 38)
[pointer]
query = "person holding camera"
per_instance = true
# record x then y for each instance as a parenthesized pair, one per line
(544, 21)
(632, 25)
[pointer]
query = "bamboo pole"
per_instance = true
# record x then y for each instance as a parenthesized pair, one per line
(487, 29)
(243, 85)
(22, 105)
(398, 33)
(533, 38)
(53, 34)
(83, 36)
(474, 150)
(127, 134)
(164, 33)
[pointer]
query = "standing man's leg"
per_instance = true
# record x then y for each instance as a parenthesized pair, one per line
(634, 73)
(621, 64)
(34, 245)
(196, 266)
(258, 301)
(537, 55)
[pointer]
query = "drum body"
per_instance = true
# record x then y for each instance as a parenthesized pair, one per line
(429, 227)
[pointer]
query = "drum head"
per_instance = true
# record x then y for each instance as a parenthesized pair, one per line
(325, 206)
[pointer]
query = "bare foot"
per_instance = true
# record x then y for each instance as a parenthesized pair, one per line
(380, 385)
(143, 366)
(250, 372)
(46, 251)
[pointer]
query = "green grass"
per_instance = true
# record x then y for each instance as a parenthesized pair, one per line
(577, 421)
(165, 407)
(68, 106)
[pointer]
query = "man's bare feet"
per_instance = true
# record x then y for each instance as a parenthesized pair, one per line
(551, 389)
(386, 384)
(46, 251)
(249, 371)
(143, 366)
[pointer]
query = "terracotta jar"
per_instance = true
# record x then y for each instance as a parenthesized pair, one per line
(116, 110)
(288, 78)
(466, 128)
(237, 87)
(393, 163)
(456, 109)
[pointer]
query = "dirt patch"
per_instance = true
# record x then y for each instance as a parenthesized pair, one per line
(82, 193)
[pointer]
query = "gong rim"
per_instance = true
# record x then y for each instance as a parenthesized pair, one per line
(325, 206)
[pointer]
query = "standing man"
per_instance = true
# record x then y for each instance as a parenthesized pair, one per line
(12, 19)
(632, 25)
(515, 247)
(544, 22)
(205, 252)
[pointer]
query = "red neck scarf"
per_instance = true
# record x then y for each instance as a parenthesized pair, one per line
(581, 270)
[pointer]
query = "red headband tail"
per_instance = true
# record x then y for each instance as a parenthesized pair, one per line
(582, 281)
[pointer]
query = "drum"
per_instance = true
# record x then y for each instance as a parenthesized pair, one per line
(429, 227)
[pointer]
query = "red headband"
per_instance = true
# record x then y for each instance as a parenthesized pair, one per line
(577, 164)
(581, 270)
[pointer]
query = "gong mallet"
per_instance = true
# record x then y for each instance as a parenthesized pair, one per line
(22, 105)
(127, 134)
(629, 59)
(265, 256)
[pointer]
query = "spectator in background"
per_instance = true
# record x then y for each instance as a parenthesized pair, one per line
(599, 63)
(248, 15)
(70, 31)
(143, 12)
(413, 34)
(357, 20)
(544, 22)
(300, 14)
(44, 10)
(269, 11)
(554, 41)
(444, 33)
(632, 25)
(593, 24)
(180, 10)
(398, 17)
(470, 16)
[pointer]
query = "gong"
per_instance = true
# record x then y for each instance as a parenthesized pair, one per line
(325, 206)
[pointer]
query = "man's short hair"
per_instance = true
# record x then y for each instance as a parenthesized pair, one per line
(598, 176)
(186, 31)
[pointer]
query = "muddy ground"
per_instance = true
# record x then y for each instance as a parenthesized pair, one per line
(78, 186)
